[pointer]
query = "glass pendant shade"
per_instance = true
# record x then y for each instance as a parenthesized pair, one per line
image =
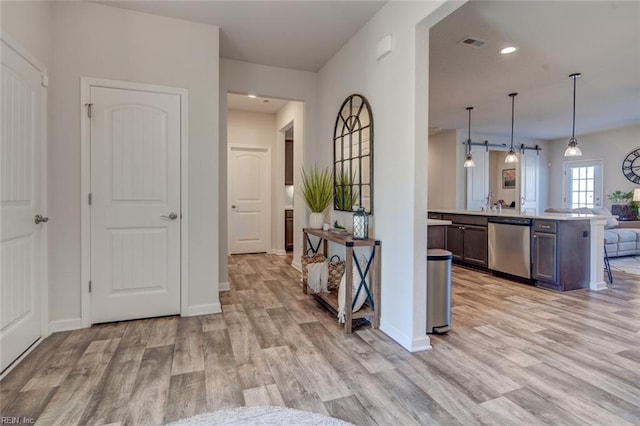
(511, 157)
(573, 150)
(469, 161)
(360, 224)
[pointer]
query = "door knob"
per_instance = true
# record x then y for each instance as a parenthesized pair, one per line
(40, 219)
(233, 206)
(172, 216)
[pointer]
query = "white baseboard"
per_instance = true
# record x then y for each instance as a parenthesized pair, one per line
(65, 325)
(277, 252)
(296, 265)
(212, 308)
(416, 344)
(223, 286)
(597, 285)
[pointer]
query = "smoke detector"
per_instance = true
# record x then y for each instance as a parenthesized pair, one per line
(473, 42)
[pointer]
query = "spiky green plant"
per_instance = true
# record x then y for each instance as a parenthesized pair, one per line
(317, 188)
(346, 195)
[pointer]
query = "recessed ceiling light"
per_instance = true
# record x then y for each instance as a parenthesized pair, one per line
(252, 96)
(507, 50)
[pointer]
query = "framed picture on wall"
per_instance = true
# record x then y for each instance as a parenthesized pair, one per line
(508, 178)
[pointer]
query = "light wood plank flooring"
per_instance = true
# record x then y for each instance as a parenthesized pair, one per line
(516, 355)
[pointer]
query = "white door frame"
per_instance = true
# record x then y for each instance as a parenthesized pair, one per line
(85, 187)
(12, 44)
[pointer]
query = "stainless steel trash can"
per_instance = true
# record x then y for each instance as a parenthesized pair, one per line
(438, 291)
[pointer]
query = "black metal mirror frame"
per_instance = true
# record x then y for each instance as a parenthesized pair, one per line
(348, 189)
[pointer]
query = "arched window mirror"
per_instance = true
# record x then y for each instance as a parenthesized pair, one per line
(353, 155)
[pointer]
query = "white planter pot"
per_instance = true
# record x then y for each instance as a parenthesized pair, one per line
(315, 220)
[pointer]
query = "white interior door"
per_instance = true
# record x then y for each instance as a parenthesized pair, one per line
(529, 183)
(21, 195)
(478, 179)
(249, 199)
(135, 211)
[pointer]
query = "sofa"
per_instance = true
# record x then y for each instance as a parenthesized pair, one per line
(620, 238)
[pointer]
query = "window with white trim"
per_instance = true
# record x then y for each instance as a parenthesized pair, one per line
(583, 184)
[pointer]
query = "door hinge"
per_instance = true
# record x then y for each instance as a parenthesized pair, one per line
(90, 198)
(89, 286)
(44, 80)
(89, 110)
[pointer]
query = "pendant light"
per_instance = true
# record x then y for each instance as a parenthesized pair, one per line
(469, 161)
(511, 156)
(573, 150)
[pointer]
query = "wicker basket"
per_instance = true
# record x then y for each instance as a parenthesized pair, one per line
(313, 258)
(336, 270)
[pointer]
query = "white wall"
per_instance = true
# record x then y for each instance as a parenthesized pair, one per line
(443, 166)
(291, 114)
(397, 89)
(271, 82)
(101, 41)
(611, 146)
(29, 24)
(251, 128)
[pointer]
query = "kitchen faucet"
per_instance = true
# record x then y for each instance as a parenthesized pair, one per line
(489, 198)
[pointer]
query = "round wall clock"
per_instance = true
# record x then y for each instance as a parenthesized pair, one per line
(631, 166)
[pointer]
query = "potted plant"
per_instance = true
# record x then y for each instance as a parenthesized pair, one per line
(317, 191)
(622, 205)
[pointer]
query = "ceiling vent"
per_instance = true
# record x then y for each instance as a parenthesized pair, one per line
(473, 42)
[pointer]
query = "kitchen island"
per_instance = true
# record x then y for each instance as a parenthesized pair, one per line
(557, 251)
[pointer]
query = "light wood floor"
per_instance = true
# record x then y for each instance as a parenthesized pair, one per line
(516, 355)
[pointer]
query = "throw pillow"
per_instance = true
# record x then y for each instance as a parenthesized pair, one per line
(612, 222)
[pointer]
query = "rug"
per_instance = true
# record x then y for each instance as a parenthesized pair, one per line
(249, 416)
(628, 264)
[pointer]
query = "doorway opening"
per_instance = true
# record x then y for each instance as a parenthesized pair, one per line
(263, 140)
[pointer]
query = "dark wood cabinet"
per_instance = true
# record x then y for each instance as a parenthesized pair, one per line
(455, 241)
(288, 230)
(437, 236)
(475, 245)
(288, 162)
(544, 255)
(467, 239)
(560, 253)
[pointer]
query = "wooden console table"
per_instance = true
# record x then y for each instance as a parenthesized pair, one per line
(371, 308)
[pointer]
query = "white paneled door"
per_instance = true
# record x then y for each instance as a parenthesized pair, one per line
(478, 179)
(135, 204)
(21, 194)
(249, 199)
(529, 183)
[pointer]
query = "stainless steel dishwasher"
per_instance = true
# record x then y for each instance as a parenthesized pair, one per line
(510, 245)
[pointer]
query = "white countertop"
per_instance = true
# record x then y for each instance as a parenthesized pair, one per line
(512, 213)
(438, 222)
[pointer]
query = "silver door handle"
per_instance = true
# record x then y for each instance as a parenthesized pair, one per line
(40, 219)
(172, 216)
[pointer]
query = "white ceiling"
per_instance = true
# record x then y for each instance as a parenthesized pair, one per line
(599, 39)
(300, 35)
(245, 103)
